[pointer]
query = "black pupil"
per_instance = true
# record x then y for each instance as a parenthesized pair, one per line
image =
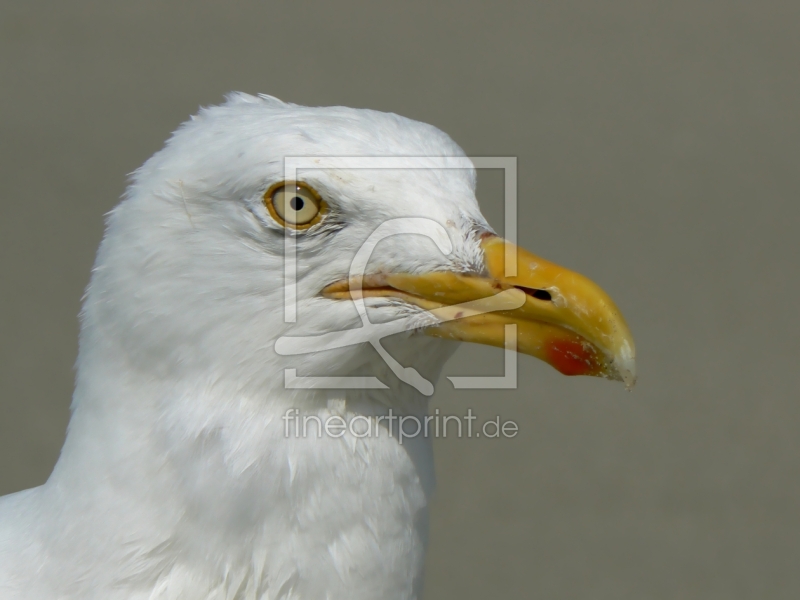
(297, 203)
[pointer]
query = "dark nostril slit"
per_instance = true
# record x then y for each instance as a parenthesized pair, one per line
(542, 295)
(538, 294)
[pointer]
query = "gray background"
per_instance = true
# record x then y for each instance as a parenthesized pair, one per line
(658, 145)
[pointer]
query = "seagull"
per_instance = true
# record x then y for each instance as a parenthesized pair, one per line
(231, 305)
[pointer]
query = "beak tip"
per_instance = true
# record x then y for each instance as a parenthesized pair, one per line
(628, 378)
(625, 365)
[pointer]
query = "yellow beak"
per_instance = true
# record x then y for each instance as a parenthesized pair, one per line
(561, 317)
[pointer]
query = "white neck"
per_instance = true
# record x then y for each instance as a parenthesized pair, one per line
(198, 490)
(177, 478)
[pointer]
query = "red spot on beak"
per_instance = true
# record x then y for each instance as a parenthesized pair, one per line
(571, 357)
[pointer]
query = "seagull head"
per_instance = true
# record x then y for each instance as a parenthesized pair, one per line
(268, 237)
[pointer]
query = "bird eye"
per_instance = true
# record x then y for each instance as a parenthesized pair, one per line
(294, 204)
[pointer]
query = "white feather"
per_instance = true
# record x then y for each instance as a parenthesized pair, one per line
(176, 479)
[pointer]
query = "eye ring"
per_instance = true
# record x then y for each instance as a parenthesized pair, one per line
(295, 204)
